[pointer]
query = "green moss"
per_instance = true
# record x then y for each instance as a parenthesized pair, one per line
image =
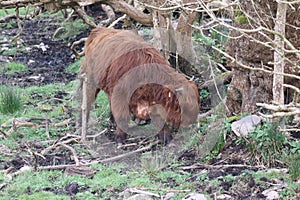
(242, 19)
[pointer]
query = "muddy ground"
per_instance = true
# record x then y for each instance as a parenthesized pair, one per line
(46, 67)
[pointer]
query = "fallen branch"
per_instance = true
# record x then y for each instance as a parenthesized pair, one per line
(287, 108)
(290, 130)
(141, 191)
(63, 140)
(75, 157)
(103, 161)
(110, 14)
(165, 190)
(97, 135)
(76, 43)
(3, 133)
(63, 123)
(206, 166)
(280, 114)
(84, 16)
(117, 20)
(280, 110)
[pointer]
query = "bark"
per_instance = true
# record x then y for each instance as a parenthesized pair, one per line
(278, 94)
(175, 39)
(137, 15)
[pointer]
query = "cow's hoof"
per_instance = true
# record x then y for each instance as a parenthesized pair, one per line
(120, 138)
(165, 138)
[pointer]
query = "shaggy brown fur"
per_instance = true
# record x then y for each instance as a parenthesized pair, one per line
(135, 76)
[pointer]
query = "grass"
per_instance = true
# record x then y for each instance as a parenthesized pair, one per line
(10, 100)
(107, 180)
(74, 68)
(69, 29)
(13, 67)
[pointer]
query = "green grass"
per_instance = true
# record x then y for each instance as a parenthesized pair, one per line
(74, 68)
(69, 29)
(10, 100)
(22, 11)
(294, 166)
(9, 11)
(107, 180)
(12, 68)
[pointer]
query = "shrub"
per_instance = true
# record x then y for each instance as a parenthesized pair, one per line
(266, 143)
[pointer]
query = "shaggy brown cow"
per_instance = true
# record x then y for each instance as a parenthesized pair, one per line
(138, 80)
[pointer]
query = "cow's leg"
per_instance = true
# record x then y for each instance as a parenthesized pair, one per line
(165, 135)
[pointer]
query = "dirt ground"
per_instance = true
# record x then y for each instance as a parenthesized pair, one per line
(49, 66)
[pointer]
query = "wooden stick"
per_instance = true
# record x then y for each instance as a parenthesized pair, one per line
(198, 165)
(84, 108)
(165, 190)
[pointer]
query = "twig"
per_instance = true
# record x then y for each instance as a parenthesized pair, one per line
(290, 130)
(140, 191)
(63, 123)
(204, 115)
(205, 166)
(47, 128)
(76, 43)
(58, 142)
(2, 132)
(73, 152)
(84, 16)
(117, 20)
(216, 86)
(110, 14)
(96, 135)
(165, 190)
(107, 160)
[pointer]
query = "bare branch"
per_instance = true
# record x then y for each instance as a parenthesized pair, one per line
(139, 16)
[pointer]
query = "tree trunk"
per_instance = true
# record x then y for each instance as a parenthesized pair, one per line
(278, 94)
(250, 87)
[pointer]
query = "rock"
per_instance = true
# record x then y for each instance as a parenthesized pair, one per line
(140, 197)
(72, 188)
(194, 196)
(244, 125)
(224, 196)
(274, 170)
(169, 196)
(271, 194)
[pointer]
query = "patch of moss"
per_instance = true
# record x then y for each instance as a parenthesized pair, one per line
(242, 19)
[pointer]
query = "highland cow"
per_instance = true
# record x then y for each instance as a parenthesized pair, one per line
(138, 82)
